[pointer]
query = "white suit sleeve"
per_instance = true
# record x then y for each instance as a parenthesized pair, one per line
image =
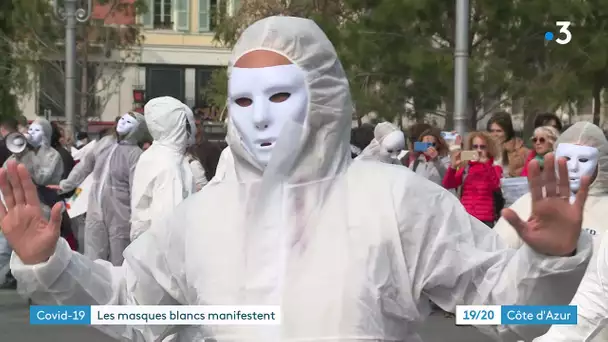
(455, 259)
(80, 171)
(591, 300)
(147, 277)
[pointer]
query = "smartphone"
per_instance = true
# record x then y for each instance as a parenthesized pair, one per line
(469, 155)
(420, 146)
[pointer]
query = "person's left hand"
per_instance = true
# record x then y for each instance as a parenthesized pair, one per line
(555, 225)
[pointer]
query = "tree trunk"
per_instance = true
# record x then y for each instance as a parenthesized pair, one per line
(597, 101)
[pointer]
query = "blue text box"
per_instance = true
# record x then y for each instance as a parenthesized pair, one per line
(532, 314)
(60, 315)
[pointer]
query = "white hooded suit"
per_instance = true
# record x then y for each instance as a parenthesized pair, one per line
(590, 307)
(163, 177)
(349, 250)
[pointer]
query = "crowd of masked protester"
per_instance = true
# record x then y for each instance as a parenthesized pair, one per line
(60, 161)
(428, 151)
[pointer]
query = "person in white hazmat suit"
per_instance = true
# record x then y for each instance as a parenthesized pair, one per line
(163, 177)
(112, 162)
(586, 148)
(388, 142)
(349, 250)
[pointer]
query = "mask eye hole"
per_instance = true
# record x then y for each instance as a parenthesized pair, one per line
(243, 101)
(567, 158)
(390, 151)
(583, 160)
(279, 97)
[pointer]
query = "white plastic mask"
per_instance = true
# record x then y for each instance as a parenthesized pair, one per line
(35, 134)
(394, 143)
(126, 125)
(262, 101)
(582, 161)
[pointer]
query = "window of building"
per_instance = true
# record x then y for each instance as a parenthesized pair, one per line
(163, 14)
(165, 81)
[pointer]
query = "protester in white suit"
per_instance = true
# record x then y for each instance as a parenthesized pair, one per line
(163, 177)
(586, 148)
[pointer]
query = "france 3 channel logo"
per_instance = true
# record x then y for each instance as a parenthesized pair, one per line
(564, 36)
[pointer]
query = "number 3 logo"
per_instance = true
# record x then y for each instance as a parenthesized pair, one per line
(564, 25)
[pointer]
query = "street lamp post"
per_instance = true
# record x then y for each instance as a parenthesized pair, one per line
(71, 13)
(461, 73)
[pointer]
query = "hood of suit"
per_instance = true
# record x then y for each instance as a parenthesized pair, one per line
(588, 134)
(170, 122)
(319, 148)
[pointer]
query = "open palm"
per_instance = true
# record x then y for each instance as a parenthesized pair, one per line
(555, 224)
(31, 236)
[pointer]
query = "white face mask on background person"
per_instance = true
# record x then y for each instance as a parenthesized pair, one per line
(394, 143)
(262, 101)
(582, 161)
(35, 134)
(126, 125)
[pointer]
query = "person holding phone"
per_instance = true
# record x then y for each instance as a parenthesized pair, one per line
(430, 157)
(474, 172)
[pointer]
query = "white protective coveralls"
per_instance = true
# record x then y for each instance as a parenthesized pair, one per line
(163, 177)
(590, 308)
(376, 150)
(112, 162)
(348, 249)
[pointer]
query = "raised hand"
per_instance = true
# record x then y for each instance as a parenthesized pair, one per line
(455, 160)
(555, 224)
(31, 236)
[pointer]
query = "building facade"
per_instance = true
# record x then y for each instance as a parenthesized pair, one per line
(176, 58)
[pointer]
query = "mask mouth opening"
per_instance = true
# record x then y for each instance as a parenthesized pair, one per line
(266, 144)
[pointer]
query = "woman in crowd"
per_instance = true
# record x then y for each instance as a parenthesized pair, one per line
(58, 142)
(544, 139)
(433, 163)
(479, 179)
(514, 153)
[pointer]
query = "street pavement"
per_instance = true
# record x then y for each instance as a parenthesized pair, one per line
(14, 326)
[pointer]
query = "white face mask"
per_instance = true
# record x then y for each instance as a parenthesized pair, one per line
(36, 134)
(262, 101)
(582, 161)
(126, 125)
(394, 143)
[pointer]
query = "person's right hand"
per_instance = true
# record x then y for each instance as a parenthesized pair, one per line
(455, 160)
(31, 236)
